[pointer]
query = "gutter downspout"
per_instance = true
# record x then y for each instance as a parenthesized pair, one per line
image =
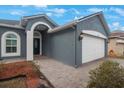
(76, 38)
(75, 47)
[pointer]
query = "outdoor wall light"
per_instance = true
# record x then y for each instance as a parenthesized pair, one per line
(81, 36)
(108, 41)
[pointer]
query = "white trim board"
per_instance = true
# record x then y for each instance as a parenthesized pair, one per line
(120, 41)
(94, 33)
(38, 23)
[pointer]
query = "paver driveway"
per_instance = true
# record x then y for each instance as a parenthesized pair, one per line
(61, 75)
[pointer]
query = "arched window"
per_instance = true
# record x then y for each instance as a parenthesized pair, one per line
(10, 44)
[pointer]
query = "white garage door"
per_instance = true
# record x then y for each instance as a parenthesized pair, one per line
(92, 48)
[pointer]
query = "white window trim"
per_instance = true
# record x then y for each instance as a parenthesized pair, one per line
(3, 45)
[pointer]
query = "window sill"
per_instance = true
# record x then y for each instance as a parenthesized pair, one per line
(10, 54)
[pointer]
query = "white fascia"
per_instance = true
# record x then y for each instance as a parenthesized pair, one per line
(120, 41)
(94, 33)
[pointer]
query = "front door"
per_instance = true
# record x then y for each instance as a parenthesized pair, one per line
(36, 46)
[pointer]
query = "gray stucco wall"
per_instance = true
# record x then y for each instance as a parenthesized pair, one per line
(64, 45)
(93, 23)
(22, 35)
(61, 46)
(45, 44)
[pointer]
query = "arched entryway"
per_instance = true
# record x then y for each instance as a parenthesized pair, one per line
(36, 29)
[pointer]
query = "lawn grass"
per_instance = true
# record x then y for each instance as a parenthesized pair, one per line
(121, 57)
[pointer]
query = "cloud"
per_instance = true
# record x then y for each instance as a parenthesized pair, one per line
(112, 17)
(17, 12)
(119, 11)
(75, 11)
(97, 9)
(75, 17)
(116, 26)
(49, 14)
(40, 6)
(36, 6)
(25, 5)
(58, 12)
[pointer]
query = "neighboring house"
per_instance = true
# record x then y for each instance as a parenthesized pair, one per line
(80, 41)
(116, 43)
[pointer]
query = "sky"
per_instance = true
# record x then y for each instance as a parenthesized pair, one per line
(63, 14)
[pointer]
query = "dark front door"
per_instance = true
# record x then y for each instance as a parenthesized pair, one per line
(36, 46)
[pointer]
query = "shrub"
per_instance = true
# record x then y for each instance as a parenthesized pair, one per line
(107, 75)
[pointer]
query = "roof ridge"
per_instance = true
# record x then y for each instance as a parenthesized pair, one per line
(118, 31)
(9, 19)
(40, 15)
(33, 15)
(97, 13)
(13, 26)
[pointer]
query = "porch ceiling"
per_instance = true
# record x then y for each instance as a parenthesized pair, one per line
(41, 27)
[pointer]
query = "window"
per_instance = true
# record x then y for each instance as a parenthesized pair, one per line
(10, 44)
(36, 34)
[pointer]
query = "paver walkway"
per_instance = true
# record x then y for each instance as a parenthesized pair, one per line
(63, 76)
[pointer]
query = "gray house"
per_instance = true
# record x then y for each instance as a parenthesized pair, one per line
(80, 41)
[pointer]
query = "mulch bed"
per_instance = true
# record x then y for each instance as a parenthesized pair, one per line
(34, 78)
(14, 82)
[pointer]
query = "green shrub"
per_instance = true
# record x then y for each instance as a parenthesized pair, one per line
(107, 75)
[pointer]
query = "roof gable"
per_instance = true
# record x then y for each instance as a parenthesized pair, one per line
(101, 17)
(102, 20)
(26, 18)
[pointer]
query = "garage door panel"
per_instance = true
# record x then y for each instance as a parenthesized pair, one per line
(92, 48)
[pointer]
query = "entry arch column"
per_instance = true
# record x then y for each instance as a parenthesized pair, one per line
(29, 33)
